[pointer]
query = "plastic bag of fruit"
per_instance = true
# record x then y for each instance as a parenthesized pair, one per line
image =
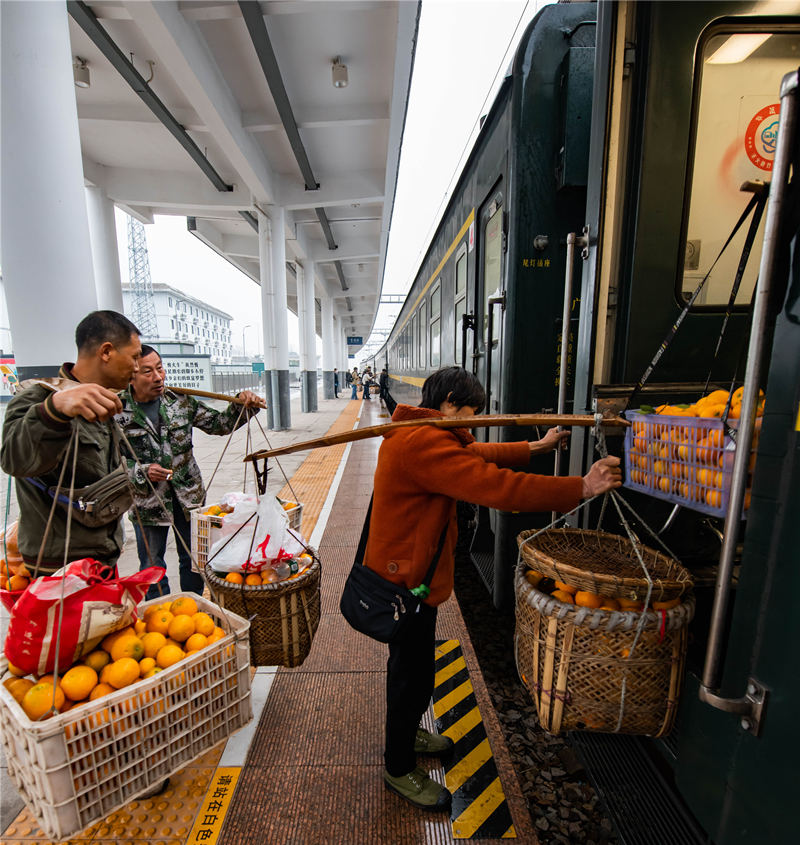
(253, 537)
(14, 574)
(80, 602)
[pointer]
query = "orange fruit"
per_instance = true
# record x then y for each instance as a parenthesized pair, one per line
(203, 624)
(566, 588)
(127, 646)
(183, 606)
(97, 659)
(18, 687)
(666, 605)
(17, 582)
(253, 580)
(140, 626)
(587, 599)
(235, 578)
(217, 632)
(609, 604)
(104, 674)
(154, 671)
(181, 628)
(100, 690)
(15, 670)
(123, 672)
(159, 622)
(145, 665)
(113, 637)
(714, 498)
(195, 642)
(629, 604)
(78, 682)
(561, 595)
(168, 655)
(152, 642)
(39, 699)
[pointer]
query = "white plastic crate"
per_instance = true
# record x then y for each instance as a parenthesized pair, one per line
(76, 768)
(203, 525)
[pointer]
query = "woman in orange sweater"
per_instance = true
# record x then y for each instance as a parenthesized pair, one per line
(421, 473)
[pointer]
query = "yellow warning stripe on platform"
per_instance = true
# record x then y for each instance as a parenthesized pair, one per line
(211, 817)
(480, 809)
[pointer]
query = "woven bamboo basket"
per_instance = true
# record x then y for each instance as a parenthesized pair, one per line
(284, 616)
(603, 563)
(584, 672)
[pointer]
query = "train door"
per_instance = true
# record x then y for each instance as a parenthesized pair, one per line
(490, 301)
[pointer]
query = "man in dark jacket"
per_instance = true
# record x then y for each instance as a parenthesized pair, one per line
(39, 424)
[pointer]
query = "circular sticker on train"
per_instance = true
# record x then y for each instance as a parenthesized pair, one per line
(761, 136)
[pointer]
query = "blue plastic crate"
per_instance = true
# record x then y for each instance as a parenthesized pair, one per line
(684, 460)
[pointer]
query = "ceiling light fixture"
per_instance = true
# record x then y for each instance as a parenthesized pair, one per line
(737, 48)
(339, 73)
(80, 73)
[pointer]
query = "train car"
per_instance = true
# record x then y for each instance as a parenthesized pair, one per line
(605, 181)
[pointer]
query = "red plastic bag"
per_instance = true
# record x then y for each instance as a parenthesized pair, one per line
(92, 609)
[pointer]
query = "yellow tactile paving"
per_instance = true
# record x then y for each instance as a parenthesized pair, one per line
(313, 477)
(168, 819)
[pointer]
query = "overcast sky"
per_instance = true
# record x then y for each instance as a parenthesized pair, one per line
(463, 52)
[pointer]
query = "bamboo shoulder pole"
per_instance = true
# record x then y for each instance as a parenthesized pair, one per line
(186, 391)
(566, 420)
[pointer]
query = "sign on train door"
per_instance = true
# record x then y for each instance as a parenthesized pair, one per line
(490, 302)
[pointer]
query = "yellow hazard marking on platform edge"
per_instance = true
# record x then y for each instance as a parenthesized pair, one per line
(464, 725)
(510, 833)
(211, 816)
(466, 767)
(479, 810)
(445, 648)
(797, 424)
(451, 669)
(451, 699)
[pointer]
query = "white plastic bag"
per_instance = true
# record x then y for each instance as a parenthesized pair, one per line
(253, 537)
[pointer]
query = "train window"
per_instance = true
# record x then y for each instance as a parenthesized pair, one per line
(735, 129)
(460, 307)
(436, 302)
(435, 342)
(492, 265)
(423, 335)
(413, 341)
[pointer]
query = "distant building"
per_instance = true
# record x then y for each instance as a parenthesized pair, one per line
(186, 324)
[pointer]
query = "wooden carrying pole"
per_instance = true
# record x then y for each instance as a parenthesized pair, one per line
(565, 420)
(186, 391)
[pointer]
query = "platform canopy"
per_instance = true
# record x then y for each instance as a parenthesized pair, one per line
(212, 110)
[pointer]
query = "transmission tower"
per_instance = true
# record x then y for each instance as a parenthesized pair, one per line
(143, 309)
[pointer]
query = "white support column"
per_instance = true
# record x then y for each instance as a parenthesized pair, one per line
(308, 345)
(280, 321)
(105, 251)
(328, 347)
(265, 277)
(47, 258)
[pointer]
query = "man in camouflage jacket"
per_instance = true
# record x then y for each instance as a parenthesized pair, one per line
(158, 425)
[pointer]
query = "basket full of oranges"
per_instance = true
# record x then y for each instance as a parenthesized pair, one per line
(147, 701)
(599, 663)
(282, 602)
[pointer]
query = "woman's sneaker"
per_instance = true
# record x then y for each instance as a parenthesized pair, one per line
(432, 745)
(417, 788)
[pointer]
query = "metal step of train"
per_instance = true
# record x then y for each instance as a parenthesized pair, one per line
(639, 800)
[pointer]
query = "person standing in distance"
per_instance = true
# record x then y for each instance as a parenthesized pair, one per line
(356, 380)
(335, 383)
(158, 425)
(39, 423)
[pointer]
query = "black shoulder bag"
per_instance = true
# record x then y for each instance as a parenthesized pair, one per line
(377, 607)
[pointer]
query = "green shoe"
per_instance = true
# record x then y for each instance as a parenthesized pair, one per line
(417, 788)
(432, 745)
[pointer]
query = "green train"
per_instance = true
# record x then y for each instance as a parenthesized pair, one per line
(605, 181)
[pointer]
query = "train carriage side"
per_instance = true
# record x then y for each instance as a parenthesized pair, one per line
(489, 292)
(696, 87)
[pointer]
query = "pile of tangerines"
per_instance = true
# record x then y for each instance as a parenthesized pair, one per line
(568, 594)
(684, 459)
(165, 634)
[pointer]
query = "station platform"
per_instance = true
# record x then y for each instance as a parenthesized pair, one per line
(307, 769)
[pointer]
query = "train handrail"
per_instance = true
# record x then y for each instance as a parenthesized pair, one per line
(750, 706)
(490, 303)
